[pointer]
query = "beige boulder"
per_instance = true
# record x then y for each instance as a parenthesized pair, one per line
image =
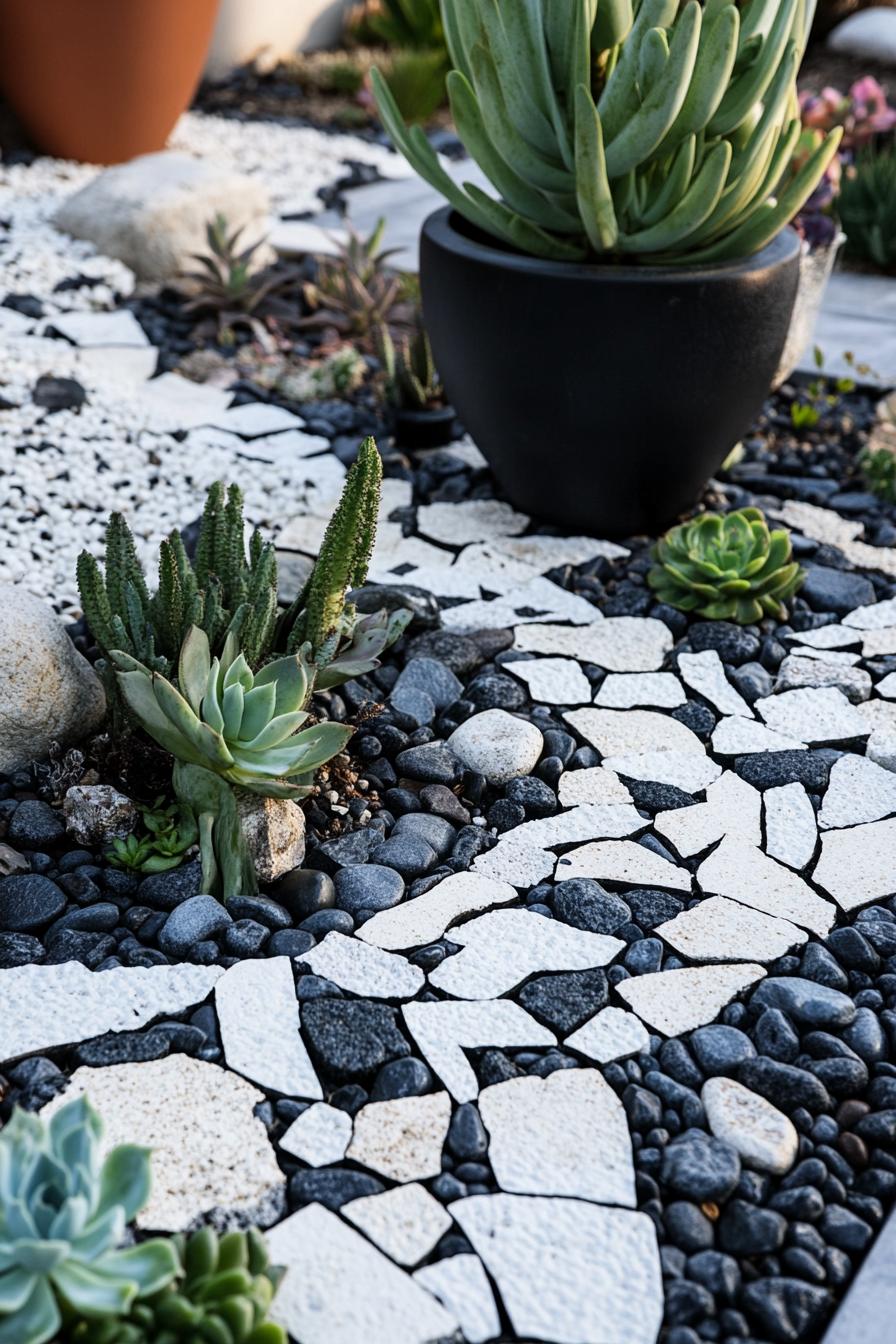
(274, 831)
(97, 812)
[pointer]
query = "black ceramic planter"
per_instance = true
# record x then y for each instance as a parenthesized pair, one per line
(430, 428)
(604, 397)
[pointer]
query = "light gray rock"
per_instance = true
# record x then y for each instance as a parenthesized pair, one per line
(721, 930)
(402, 1139)
(595, 784)
(867, 36)
(677, 1001)
(743, 873)
(425, 918)
(568, 1271)
(566, 1134)
(617, 643)
(612, 1033)
(323, 1259)
(211, 1157)
(42, 1007)
(259, 1019)
(363, 969)
(461, 1285)
(622, 732)
(95, 813)
(623, 861)
(813, 716)
(444, 1030)
(856, 865)
(790, 826)
(519, 862)
(405, 1223)
(48, 692)
(763, 1136)
(858, 791)
(274, 831)
(319, 1136)
(152, 213)
(498, 745)
(797, 673)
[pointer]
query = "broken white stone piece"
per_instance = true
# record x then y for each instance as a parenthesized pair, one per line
(405, 1223)
(813, 716)
(705, 673)
(732, 807)
(763, 1136)
(259, 1019)
(743, 873)
(319, 1136)
(877, 616)
(859, 791)
(619, 732)
(362, 969)
(504, 947)
(595, 784)
(611, 1034)
(402, 1139)
(790, 826)
(674, 1002)
(443, 1031)
(470, 520)
(461, 1285)
(796, 673)
(721, 930)
(425, 918)
(587, 821)
(623, 861)
(562, 1135)
(617, 643)
(683, 770)
(211, 1157)
(119, 327)
(745, 737)
(629, 690)
(553, 681)
(856, 865)
(516, 861)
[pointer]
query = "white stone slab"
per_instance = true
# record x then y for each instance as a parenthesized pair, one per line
(827, 526)
(568, 1271)
(402, 1139)
(826, 637)
(705, 673)
(114, 368)
(562, 1135)
(443, 1031)
(553, 681)
(743, 873)
(284, 447)
(790, 827)
(617, 643)
(877, 616)
(878, 715)
(821, 669)
(682, 769)
(858, 792)
(211, 1157)
(173, 403)
(504, 947)
(405, 1223)
(538, 599)
(834, 656)
(515, 861)
(677, 1001)
(631, 690)
(339, 1289)
(363, 969)
(586, 821)
(259, 1019)
(470, 520)
(623, 732)
(593, 785)
(461, 1285)
(857, 865)
(763, 1136)
(813, 716)
(119, 327)
(42, 1007)
(319, 1136)
(255, 419)
(721, 930)
(611, 1034)
(732, 807)
(887, 686)
(879, 643)
(745, 737)
(425, 918)
(623, 861)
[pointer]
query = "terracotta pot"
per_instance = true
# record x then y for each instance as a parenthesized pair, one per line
(102, 80)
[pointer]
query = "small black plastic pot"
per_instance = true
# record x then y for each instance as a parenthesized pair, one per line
(429, 428)
(604, 397)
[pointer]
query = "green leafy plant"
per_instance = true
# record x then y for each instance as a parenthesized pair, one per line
(63, 1214)
(354, 290)
(416, 80)
(867, 207)
(222, 1294)
(879, 468)
(617, 129)
(229, 280)
(726, 568)
(410, 378)
(171, 833)
(407, 23)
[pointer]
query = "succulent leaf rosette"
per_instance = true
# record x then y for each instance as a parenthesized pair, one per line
(63, 1213)
(726, 568)
(633, 128)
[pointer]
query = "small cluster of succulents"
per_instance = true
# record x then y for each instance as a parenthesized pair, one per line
(355, 290)
(409, 372)
(726, 568)
(867, 206)
(64, 1275)
(170, 832)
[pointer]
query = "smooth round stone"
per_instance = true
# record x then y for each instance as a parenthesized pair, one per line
(198, 919)
(28, 901)
(245, 938)
(408, 855)
(533, 795)
(764, 1138)
(401, 1078)
(816, 1005)
(688, 1227)
(701, 1167)
(304, 891)
(164, 891)
(745, 1229)
(436, 832)
(584, 904)
(260, 909)
(35, 824)
(431, 763)
(467, 1137)
(721, 1049)
(323, 922)
(498, 745)
(369, 886)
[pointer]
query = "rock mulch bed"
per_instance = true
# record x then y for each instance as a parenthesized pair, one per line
(579, 1021)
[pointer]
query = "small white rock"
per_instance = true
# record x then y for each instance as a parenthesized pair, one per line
(797, 673)
(319, 1136)
(498, 745)
(402, 1139)
(611, 1034)
(674, 1002)
(763, 1137)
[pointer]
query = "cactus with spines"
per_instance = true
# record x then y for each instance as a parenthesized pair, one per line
(624, 128)
(410, 377)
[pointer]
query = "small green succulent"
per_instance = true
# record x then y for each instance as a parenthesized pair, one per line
(879, 468)
(411, 380)
(63, 1214)
(171, 833)
(867, 208)
(726, 568)
(221, 1295)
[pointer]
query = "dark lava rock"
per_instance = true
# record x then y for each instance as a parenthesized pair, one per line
(408, 1077)
(770, 769)
(245, 938)
(732, 643)
(164, 891)
(836, 590)
(776, 1037)
(563, 1002)
(807, 1001)
(536, 798)
(787, 1310)
(304, 891)
(392, 597)
(353, 1038)
(495, 690)
(657, 797)
(123, 1047)
(784, 1085)
(19, 949)
(88, 948)
(440, 801)
(844, 1229)
(457, 652)
(433, 763)
(700, 1167)
(35, 824)
(369, 886)
(195, 920)
(584, 904)
(28, 901)
(721, 1049)
(650, 908)
(745, 1229)
(331, 1187)
(467, 1138)
(346, 850)
(58, 394)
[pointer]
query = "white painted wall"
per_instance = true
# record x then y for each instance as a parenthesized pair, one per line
(249, 28)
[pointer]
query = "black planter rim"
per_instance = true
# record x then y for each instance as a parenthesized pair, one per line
(447, 229)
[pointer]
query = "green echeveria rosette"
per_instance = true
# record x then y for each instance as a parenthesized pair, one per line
(222, 1296)
(730, 568)
(63, 1214)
